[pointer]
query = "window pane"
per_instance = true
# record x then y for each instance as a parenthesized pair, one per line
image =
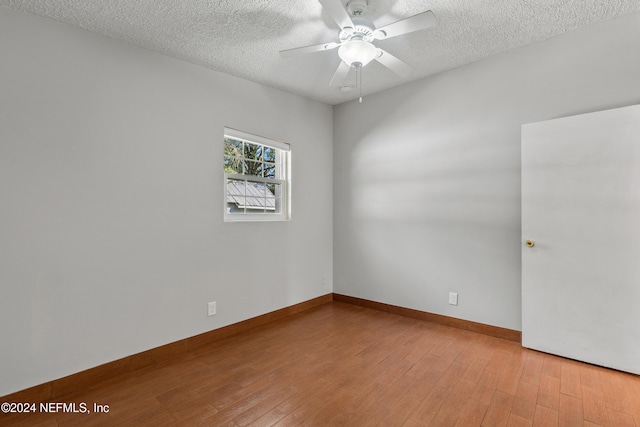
(271, 190)
(271, 205)
(274, 190)
(232, 165)
(256, 189)
(232, 147)
(253, 168)
(269, 154)
(269, 170)
(235, 196)
(255, 204)
(252, 151)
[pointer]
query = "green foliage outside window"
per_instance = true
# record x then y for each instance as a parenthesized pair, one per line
(245, 158)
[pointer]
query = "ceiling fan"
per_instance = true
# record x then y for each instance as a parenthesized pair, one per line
(356, 36)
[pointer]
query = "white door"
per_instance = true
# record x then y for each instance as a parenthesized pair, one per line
(581, 210)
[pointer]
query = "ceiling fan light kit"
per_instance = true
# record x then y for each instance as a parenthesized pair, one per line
(356, 36)
(357, 52)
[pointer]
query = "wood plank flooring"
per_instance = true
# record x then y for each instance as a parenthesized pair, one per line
(344, 365)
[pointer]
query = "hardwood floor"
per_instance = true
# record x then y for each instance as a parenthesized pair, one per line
(341, 364)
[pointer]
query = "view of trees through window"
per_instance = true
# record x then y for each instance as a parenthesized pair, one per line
(246, 158)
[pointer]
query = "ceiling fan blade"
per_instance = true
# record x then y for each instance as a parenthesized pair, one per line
(341, 74)
(338, 13)
(399, 67)
(308, 49)
(417, 22)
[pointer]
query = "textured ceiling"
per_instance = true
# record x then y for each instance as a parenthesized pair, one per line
(243, 37)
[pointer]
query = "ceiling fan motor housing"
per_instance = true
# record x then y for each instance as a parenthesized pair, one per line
(363, 30)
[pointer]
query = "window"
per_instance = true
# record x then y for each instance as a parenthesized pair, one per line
(256, 178)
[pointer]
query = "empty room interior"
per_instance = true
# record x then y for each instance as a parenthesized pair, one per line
(303, 212)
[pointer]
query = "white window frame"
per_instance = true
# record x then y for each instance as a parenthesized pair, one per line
(283, 177)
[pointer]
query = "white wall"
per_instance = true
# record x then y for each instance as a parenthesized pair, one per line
(427, 175)
(111, 209)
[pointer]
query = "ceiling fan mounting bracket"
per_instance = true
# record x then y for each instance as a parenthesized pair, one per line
(357, 7)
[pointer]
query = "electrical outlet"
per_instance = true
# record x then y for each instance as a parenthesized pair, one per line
(453, 298)
(211, 308)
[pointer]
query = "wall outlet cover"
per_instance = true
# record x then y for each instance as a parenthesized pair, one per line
(453, 298)
(211, 308)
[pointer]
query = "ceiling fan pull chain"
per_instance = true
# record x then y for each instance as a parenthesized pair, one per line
(359, 83)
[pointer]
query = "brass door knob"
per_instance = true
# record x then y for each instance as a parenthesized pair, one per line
(530, 243)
